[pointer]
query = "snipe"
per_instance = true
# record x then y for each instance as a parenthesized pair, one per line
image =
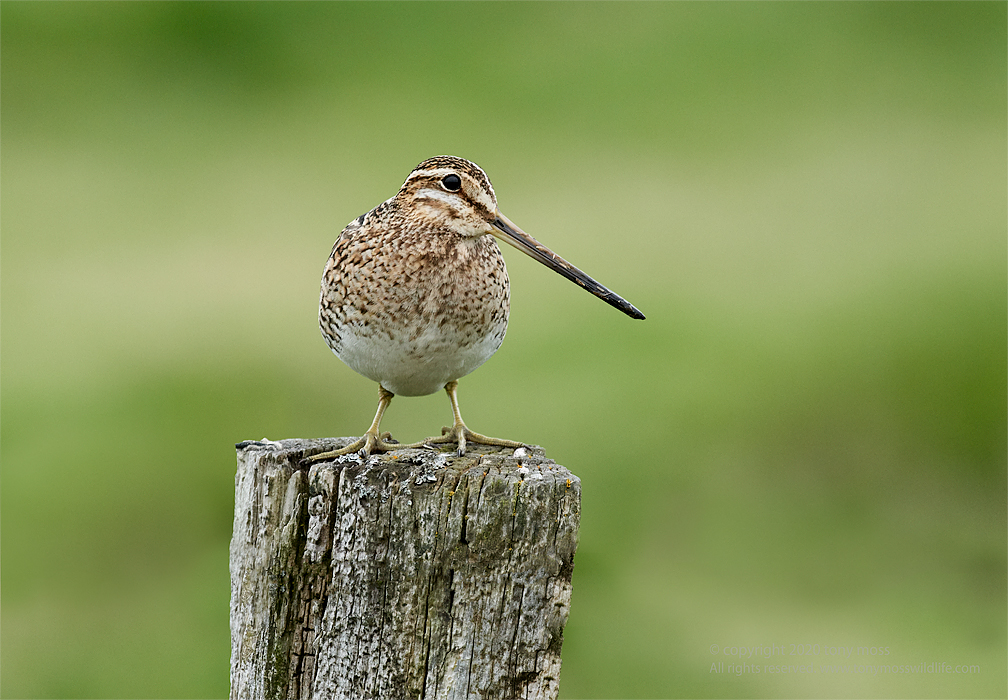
(416, 294)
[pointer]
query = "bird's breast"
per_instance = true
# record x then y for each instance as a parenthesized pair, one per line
(414, 312)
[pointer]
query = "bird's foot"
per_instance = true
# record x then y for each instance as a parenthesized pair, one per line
(460, 435)
(364, 446)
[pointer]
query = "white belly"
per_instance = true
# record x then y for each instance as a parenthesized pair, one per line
(417, 367)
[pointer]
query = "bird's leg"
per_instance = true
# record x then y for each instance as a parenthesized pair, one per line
(461, 434)
(371, 441)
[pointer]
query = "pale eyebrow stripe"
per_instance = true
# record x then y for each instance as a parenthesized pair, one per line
(440, 172)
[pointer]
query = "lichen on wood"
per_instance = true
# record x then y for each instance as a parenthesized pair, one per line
(413, 574)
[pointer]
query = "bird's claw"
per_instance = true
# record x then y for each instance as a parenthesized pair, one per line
(363, 446)
(461, 434)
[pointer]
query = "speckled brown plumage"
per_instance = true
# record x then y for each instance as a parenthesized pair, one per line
(415, 293)
(410, 301)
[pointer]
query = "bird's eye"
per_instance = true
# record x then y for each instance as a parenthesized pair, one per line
(452, 183)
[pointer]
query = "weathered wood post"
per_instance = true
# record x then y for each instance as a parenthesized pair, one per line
(415, 574)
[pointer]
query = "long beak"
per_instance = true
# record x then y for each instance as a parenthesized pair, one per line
(509, 233)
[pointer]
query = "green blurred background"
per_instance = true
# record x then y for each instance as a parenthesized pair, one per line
(804, 443)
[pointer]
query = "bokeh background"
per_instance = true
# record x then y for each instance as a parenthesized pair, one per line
(803, 444)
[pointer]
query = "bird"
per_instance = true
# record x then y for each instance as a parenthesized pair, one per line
(415, 294)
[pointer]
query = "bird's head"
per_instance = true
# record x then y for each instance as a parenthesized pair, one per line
(451, 193)
(454, 194)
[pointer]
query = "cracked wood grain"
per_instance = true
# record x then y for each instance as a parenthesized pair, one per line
(412, 575)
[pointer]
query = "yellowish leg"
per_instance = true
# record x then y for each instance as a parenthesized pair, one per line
(459, 433)
(371, 441)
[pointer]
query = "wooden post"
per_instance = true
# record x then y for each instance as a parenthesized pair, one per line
(416, 574)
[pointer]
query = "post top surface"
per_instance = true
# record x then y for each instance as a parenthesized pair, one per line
(424, 464)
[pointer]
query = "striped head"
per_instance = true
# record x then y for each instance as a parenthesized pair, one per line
(451, 193)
